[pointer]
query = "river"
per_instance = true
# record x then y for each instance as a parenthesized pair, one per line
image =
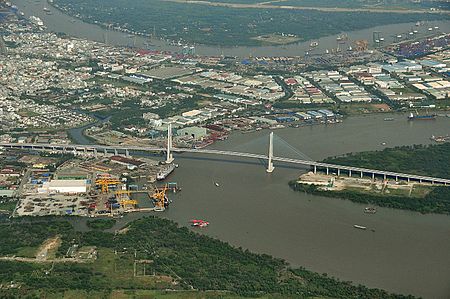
(408, 252)
(60, 22)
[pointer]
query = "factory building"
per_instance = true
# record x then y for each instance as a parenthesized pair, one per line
(194, 132)
(64, 186)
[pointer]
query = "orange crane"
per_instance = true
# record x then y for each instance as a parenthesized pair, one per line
(106, 183)
(160, 197)
(128, 202)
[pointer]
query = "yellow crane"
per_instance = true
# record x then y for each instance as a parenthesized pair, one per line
(128, 202)
(160, 197)
(106, 183)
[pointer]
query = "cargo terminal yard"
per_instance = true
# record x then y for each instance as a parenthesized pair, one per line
(90, 187)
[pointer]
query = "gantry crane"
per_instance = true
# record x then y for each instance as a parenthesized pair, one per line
(105, 183)
(124, 198)
(128, 202)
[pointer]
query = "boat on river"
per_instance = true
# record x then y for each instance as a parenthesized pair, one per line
(199, 223)
(370, 210)
(416, 116)
(359, 227)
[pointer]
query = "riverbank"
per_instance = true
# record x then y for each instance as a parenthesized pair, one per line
(435, 199)
(199, 263)
(60, 22)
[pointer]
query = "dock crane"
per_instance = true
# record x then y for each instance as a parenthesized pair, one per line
(124, 198)
(161, 199)
(106, 183)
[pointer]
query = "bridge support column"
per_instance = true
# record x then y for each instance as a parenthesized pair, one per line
(105, 151)
(362, 174)
(432, 182)
(408, 179)
(349, 173)
(315, 169)
(169, 158)
(373, 176)
(396, 178)
(328, 170)
(95, 152)
(115, 152)
(384, 177)
(270, 167)
(420, 181)
(127, 153)
(338, 172)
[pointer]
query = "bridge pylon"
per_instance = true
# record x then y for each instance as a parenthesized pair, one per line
(169, 158)
(270, 167)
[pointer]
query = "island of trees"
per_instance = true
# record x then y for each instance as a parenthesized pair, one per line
(231, 26)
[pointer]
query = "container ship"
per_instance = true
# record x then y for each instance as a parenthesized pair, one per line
(421, 117)
(164, 173)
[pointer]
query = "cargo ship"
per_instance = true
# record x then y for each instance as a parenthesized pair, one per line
(164, 173)
(421, 117)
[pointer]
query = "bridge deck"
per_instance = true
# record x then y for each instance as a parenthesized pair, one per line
(122, 148)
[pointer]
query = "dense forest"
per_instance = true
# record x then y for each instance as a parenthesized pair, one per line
(195, 261)
(101, 224)
(432, 160)
(227, 26)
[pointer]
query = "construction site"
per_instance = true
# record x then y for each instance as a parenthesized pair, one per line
(332, 182)
(96, 187)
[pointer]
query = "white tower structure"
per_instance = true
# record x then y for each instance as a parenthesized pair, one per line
(270, 167)
(169, 158)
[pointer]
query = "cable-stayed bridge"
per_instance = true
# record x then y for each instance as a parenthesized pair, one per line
(270, 157)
